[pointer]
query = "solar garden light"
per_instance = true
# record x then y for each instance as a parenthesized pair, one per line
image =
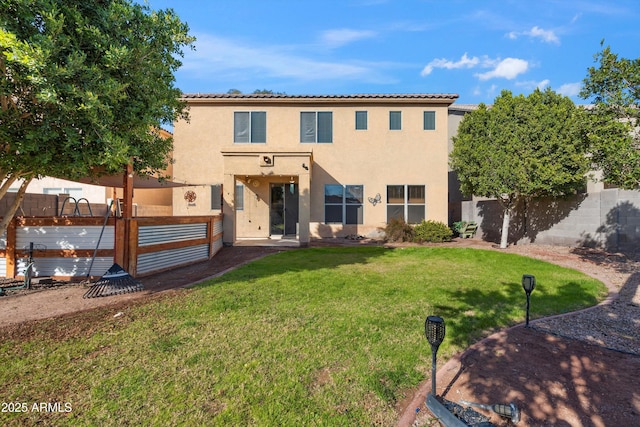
(434, 329)
(528, 283)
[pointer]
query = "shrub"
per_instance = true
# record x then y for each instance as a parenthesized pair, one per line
(397, 230)
(433, 232)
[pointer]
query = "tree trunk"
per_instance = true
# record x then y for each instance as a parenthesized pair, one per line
(11, 210)
(7, 183)
(506, 217)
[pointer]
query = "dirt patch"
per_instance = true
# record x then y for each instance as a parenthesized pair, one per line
(64, 299)
(553, 381)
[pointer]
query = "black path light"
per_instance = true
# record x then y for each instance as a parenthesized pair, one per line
(528, 284)
(434, 329)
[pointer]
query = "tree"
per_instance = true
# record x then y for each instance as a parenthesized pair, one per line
(83, 85)
(255, 92)
(615, 89)
(521, 148)
(267, 92)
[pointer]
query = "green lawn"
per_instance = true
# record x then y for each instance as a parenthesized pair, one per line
(321, 336)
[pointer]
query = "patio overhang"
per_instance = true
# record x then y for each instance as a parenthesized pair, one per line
(250, 162)
(259, 170)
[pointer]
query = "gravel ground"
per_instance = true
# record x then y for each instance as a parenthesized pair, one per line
(614, 324)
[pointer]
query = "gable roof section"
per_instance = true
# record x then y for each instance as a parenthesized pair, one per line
(262, 98)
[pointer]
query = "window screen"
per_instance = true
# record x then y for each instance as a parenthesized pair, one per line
(258, 127)
(325, 126)
(429, 120)
(216, 196)
(395, 120)
(250, 127)
(361, 120)
(239, 199)
(307, 127)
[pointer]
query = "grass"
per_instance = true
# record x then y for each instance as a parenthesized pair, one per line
(322, 336)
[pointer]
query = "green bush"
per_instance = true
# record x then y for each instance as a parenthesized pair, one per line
(397, 230)
(433, 232)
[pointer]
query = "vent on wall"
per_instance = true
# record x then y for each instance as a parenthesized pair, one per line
(266, 160)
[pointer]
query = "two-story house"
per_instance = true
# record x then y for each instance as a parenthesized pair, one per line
(312, 166)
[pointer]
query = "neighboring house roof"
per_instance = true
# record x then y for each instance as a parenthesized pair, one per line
(262, 97)
(463, 107)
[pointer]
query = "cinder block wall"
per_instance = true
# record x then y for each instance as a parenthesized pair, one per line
(609, 219)
(49, 205)
(32, 204)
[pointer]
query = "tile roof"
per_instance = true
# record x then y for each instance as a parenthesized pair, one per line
(463, 107)
(416, 96)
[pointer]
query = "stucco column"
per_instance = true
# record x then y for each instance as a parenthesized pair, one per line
(228, 209)
(304, 208)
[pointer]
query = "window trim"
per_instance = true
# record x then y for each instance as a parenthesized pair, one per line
(425, 114)
(316, 127)
(406, 202)
(397, 114)
(250, 132)
(344, 204)
(364, 117)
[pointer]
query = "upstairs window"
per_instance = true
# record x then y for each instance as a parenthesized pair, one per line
(395, 120)
(361, 120)
(250, 127)
(316, 126)
(429, 120)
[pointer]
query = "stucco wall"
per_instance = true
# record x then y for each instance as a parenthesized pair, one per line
(374, 158)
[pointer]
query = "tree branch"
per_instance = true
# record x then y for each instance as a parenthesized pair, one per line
(11, 210)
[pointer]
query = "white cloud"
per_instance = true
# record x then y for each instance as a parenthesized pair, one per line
(464, 62)
(228, 59)
(532, 84)
(544, 83)
(508, 68)
(570, 89)
(341, 37)
(547, 36)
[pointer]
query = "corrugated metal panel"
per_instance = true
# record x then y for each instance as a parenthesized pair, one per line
(217, 245)
(217, 227)
(156, 234)
(165, 259)
(65, 237)
(45, 267)
(3, 267)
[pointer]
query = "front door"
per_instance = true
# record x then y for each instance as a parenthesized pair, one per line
(283, 216)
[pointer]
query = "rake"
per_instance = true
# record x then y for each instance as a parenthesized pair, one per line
(115, 281)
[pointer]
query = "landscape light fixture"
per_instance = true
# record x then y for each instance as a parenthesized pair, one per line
(509, 411)
(528, 284)
(434, 329)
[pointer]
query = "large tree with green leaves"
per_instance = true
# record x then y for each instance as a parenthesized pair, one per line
(83, 85)
(614, 88)
(520, 148)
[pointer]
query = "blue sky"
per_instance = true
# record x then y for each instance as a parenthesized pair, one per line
(472, 48)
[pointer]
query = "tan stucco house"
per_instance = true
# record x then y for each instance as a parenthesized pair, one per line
(312, 166)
